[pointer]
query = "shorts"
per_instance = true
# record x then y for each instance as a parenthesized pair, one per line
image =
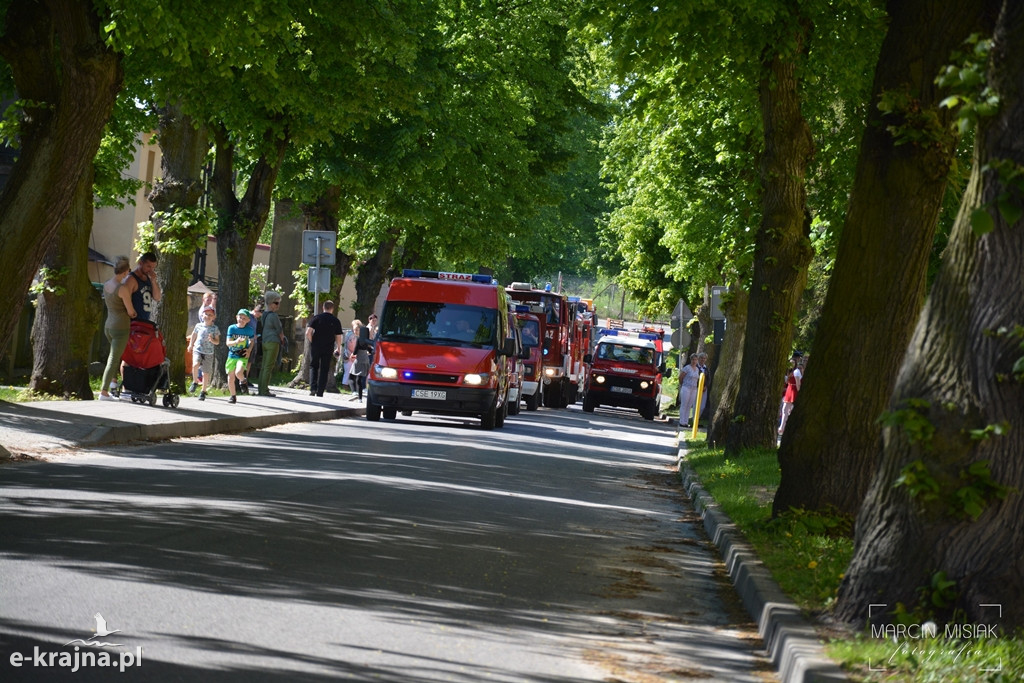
(235, 364)
(203, 361)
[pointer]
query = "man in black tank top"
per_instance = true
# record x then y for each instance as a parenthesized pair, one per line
(142, 287)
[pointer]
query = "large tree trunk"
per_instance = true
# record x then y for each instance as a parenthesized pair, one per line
(371, 274)
(727, 374)
(63, 68)
(782, 252)
(184, 147)
(241, 222)
(68, 309)
(959, 376)
(829, 451)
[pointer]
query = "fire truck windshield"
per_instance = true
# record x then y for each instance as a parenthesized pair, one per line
(622, 353)
(438, 322)
(531, 333)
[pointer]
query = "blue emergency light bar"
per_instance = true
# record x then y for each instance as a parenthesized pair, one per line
(574, 299)
(522, 308)
(439, 275)
(607, 332)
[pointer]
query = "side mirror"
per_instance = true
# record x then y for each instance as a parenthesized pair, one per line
(588, 359)
(524, 354)
(508, 348)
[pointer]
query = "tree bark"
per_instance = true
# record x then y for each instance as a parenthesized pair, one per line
(371, 274)
(959, 375)
(782, 252)
(68, 311)
(829, 451)
(727, 375)
(241, 222)
(59, 61)
(184, 147)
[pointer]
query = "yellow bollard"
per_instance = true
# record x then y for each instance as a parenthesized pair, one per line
(696, 407)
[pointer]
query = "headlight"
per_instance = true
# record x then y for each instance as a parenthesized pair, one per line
(475, 380)
(550, 372)
(599, 379)
(644, 384)
(385, 372)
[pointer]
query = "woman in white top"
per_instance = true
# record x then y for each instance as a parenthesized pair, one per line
(689, 377)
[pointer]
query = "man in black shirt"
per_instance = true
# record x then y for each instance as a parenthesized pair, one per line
(324, 335)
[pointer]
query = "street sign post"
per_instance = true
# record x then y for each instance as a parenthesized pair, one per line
(318, 249)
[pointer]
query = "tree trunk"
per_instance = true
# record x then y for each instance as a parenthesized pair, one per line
(782, 252)
(184, 148)
(727, 374)
(68, 310)
(59, 62)
(241, 222)
(959, 375)
(829, 451)
(371, 274)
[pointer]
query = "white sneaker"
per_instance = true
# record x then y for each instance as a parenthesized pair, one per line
(107, 397)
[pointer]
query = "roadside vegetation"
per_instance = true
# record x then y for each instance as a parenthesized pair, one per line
(807, 554)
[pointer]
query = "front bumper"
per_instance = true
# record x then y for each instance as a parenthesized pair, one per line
(456, 401)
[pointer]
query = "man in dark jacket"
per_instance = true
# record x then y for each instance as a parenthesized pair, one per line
(324, 334)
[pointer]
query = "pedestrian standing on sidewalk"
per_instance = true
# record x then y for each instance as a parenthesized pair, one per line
(273, 337)
(118, 325)
(240, 339)
(794, 377)
(364, 349)
(689, 377)
(349, 354)
(204, 337)
(324, 335)
(142, 288)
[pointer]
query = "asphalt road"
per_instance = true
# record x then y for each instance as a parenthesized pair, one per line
(557, 549)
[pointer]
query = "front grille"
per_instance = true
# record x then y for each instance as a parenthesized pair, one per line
(429, 377)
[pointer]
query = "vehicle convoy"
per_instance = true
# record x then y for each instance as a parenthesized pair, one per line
(626, 370)
(558, 383)
(442, 347)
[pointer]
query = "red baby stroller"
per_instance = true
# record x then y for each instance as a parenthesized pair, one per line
(146, 367)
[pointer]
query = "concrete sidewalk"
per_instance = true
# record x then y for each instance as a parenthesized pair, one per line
(37, 427)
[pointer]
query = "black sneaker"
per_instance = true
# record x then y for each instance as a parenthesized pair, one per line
(232, 400)
(192, 388)
(202, 395)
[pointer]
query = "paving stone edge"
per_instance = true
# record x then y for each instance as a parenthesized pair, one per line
(789, 637)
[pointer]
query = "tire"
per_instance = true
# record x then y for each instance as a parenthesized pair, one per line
(513, 407)
(388, 413)
(373, 412)
(648, 411)
(589, 403)
(490, 418)
(533, 401)
(500, 414)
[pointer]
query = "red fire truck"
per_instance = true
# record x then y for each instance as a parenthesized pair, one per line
(442, 347)
(626, 370)
(530, 329)
(556, 320)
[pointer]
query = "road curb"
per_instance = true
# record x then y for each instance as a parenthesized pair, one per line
(109, 435)
(789, 637)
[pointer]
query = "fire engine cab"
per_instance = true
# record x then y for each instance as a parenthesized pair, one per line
(442, 347)
(626, 370)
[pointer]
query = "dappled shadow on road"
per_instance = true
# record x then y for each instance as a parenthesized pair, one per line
(573, 526)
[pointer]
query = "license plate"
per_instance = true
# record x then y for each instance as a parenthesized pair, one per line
(432, 395)
(622, 390)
